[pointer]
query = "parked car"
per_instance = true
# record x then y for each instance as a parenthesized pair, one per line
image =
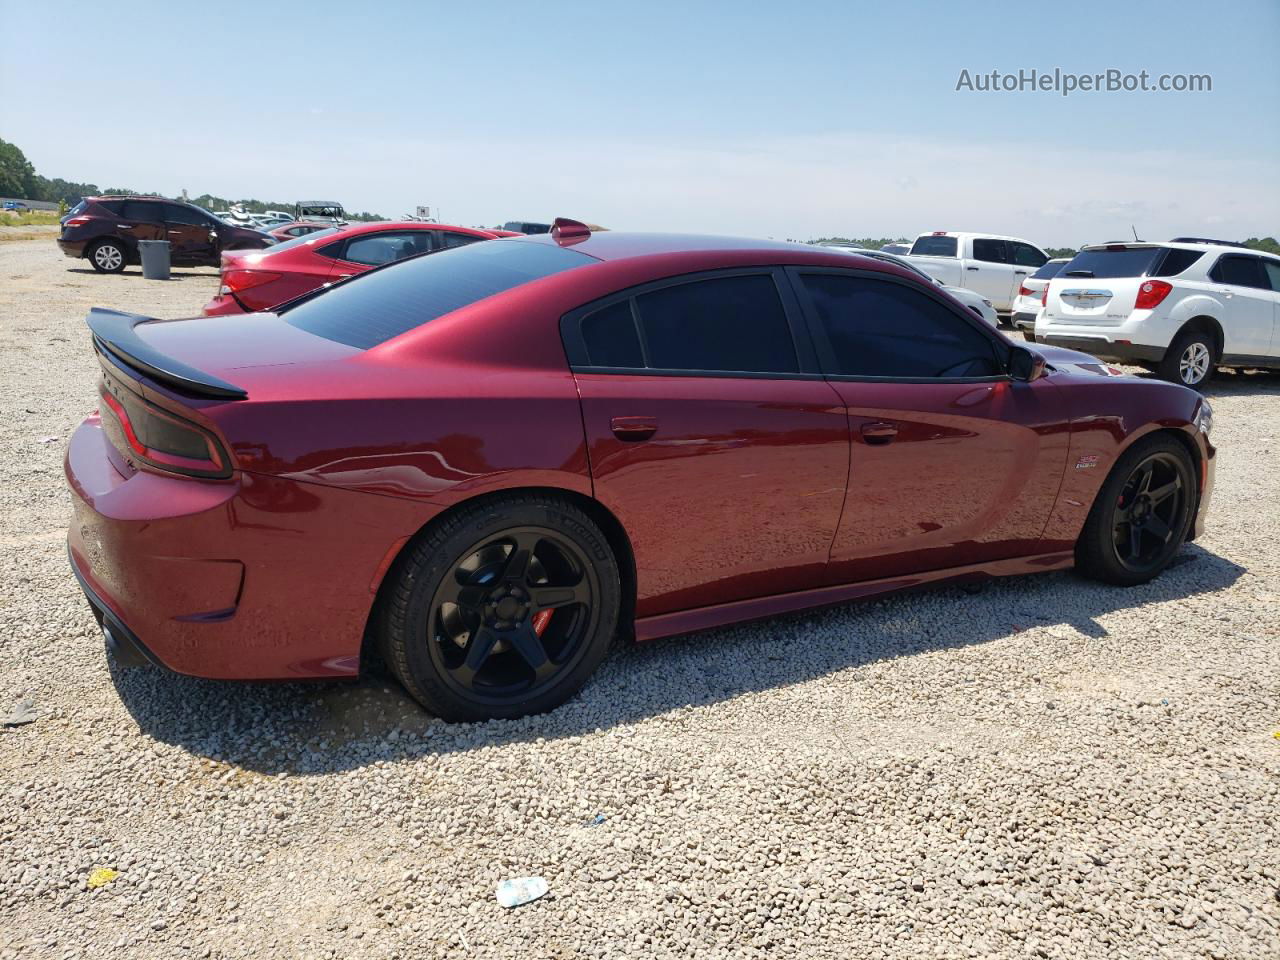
(526, 227)
(987, 264)
(262, 279)
(281, 215)
(106, 230)
(899, 248)
(1029, 301)
(15, 205)
(1180, 308)
(978, 304)
(324, 210)
(295, 228)
(496, 460)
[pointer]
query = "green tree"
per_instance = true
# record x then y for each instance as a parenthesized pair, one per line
(17, 176)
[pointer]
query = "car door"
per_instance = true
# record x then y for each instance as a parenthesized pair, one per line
(1249, 317)
(989, 272)
(191, 235)
(712, 436)
(951, 461)
(1026, 261)
(141, 220)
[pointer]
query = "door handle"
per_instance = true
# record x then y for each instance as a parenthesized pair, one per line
(971, 268)
(633, 429)
(345, 276)
(1021, 273)
(879, 432)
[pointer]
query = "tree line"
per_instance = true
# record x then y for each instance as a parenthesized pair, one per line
(19, 179)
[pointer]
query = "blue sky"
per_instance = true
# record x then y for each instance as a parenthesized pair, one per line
(791, 120)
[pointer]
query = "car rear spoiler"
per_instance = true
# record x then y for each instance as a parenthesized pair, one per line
(114, 336)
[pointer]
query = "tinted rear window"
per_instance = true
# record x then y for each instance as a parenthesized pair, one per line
(1049, 270)
(731, 324)
(934, 247)
(384, 303)
(1106, 264)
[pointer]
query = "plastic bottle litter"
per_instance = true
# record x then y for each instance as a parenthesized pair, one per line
(595, 821)
(521, 890)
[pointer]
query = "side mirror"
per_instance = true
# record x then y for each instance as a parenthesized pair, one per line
(1025, 365)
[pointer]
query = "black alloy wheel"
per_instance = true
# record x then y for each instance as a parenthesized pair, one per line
(501, 608)
(512, 616)
(1149, 511)
(1142, 513)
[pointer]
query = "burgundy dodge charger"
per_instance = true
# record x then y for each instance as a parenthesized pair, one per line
(493, 461)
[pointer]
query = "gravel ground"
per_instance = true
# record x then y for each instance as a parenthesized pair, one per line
(1043, 768)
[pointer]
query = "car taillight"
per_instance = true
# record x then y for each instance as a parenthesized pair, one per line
(160, 438)
(237, 280)
(1024, 292)
(1044, 296)
(76, 222)
(1151, 293)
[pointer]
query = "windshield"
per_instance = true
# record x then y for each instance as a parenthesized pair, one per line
(303, 240)
(386, 302)
(1112, 263)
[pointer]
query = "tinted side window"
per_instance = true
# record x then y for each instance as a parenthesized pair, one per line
(611, 338)
(378, 248)
(141, 210)
(878, 328)
(1025, 255)
(732, 324)
(450, 240)
(932, 246)
(173, 213)
(992, 251)
(1240, 271)
(1273, 273)
(1175, 261)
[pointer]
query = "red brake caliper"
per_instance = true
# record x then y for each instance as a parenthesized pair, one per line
(540, 620)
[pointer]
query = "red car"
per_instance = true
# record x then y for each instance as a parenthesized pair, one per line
(296, 228)
(262, 279)
(493, 461)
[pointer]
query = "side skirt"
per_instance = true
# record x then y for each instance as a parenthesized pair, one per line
(740, 611)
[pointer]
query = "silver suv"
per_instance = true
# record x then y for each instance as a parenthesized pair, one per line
(1180, 308)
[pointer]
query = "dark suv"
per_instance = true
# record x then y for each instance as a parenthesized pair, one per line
(106, 231)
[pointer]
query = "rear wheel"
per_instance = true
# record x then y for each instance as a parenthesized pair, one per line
(1141, 516)
(107, 256)
(1190, 359)
(504, 609)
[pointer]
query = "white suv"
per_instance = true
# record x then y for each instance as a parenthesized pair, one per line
(1180, 308)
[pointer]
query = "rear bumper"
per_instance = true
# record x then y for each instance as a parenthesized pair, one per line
(1104, 349)
(253, 578)
(122, 644)
(1024, 321)
(72, 248)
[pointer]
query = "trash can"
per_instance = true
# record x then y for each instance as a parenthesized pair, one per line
(155, 259)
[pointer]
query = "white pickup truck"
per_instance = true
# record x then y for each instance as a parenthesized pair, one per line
(986, 264)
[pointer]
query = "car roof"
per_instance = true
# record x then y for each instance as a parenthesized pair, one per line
(622, 245)
(372, 226)
(1199, 247)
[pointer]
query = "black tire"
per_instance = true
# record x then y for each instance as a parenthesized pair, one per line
(108, 256)
(460, 623)
(1190, 359)
(1124, 538)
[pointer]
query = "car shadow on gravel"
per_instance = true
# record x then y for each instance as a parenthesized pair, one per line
(318, 728)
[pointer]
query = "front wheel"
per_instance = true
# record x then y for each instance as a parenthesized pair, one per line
(1141, 515)
(502, 610)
